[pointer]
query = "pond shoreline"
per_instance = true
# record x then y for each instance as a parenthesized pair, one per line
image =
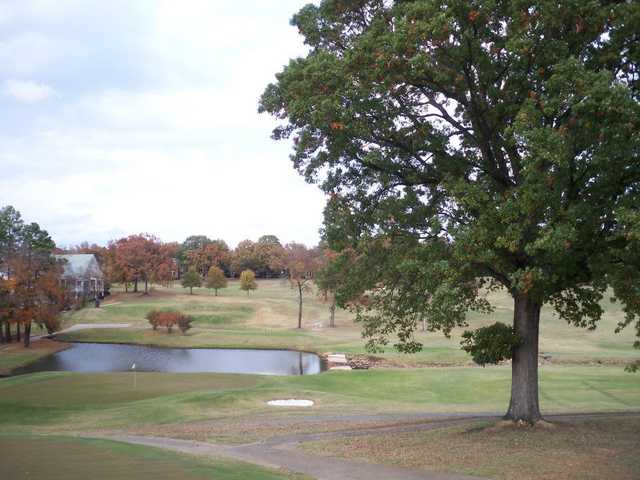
(95, 357)
(195, 347)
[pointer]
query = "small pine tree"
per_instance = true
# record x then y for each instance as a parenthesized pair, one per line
(191, 279)
(248, 281)
(216, 279)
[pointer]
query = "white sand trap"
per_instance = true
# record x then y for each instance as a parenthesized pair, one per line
(291, 402)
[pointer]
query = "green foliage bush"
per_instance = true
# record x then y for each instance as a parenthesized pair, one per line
(191, 279)
(490, 345)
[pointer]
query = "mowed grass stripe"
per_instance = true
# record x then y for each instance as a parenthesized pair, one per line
(110, 400)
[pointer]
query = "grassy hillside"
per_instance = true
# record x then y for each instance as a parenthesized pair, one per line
(267, 318)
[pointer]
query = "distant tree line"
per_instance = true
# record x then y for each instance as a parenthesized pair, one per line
(139, 260)
(200, 261)
(31, 290)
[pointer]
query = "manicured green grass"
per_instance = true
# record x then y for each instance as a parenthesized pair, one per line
(8, 361)
(76, 402)
(64, 458)
(62, 402)
(268, 317)
(14, 355)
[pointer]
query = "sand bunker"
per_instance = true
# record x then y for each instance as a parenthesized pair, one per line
(291, 402)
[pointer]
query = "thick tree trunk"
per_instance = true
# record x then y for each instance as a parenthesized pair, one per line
(135, 286)
(126, 287)
(1, 333)
(7, 332)
(18, 332)
(299, 306)
(190, 290)
(524, 404)
(27, 334)
(146, 287)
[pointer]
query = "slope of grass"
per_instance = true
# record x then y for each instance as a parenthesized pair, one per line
(14, 355)
(268, 317)
(64, 458)
(70, 401)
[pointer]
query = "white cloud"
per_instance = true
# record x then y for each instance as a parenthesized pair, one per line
(27, 91)
(27, 53)
(154, 127)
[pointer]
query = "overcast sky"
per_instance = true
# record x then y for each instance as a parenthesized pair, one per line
(129, 116)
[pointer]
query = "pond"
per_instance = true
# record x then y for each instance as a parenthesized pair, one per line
(108, 357)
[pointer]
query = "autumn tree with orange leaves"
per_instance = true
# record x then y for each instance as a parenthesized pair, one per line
(141, 258)
(212, 254)
(30, 290)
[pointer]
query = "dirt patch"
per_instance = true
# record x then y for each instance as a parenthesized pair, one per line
(577, 448)
(240, 430)
(397, 362)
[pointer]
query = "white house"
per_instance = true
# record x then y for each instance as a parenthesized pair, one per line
(82, 275)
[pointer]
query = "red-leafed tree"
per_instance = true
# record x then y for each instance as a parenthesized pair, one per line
(213, 254)
(116, 269)
(139, 258)
(167, 270)
(244, 257)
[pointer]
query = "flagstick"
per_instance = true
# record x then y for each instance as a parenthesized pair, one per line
(135, 379)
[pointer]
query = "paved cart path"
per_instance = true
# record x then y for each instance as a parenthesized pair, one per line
(281, 452)
(81, 326)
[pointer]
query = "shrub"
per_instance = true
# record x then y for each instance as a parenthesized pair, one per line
(184, 323)
(169, 319)
(152, 317)
(490, 345)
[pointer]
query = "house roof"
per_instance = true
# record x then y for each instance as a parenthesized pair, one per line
(79, 264)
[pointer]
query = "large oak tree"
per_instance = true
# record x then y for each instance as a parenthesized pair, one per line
(469, 144)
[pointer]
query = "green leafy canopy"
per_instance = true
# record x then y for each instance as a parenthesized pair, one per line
(467, 146)
(490, 345)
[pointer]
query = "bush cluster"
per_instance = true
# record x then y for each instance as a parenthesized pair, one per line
(168, 319)
(490, 345)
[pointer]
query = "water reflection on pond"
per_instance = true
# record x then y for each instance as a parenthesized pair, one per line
(106, 357)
